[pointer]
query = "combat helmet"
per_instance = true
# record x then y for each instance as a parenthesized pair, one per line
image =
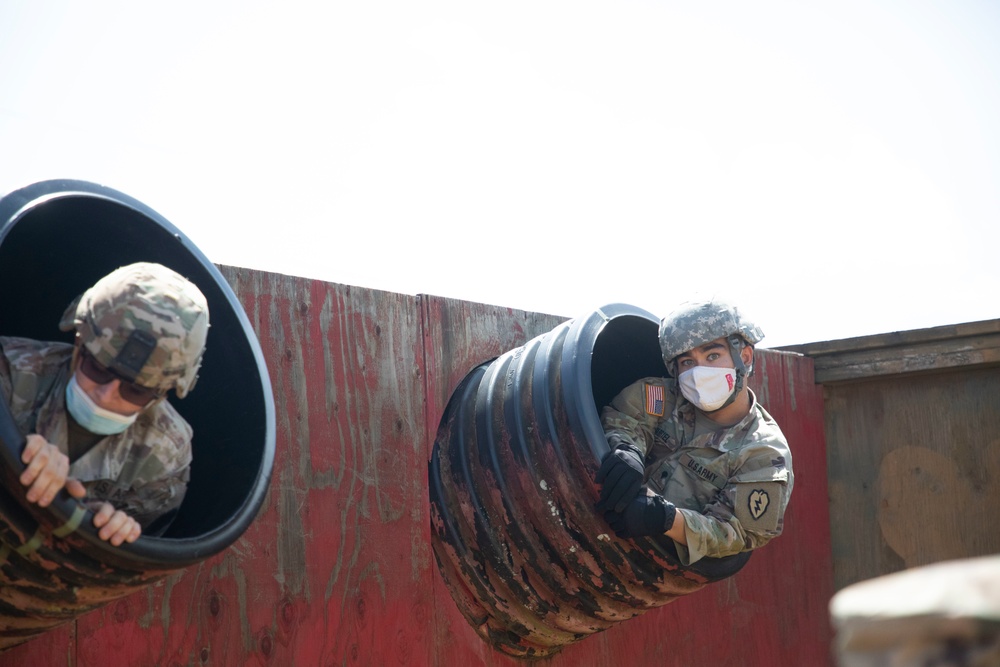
(695, 323)
(145, 322)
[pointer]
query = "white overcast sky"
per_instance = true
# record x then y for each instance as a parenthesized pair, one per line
(834, 167)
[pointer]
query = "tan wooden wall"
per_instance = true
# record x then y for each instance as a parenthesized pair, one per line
(913, 445)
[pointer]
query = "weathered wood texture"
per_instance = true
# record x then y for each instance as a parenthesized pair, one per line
(914, 465)
(957, 346)
(337, 569)
(913, 442)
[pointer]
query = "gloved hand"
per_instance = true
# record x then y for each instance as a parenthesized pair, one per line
(620, 475)
(645, 515)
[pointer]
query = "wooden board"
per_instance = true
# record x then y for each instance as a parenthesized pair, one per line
(914, 466)
(337, 569)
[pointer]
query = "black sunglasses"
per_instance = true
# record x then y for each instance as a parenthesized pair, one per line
(134, 393)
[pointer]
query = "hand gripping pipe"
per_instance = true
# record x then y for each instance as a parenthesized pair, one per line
(530, 563)
(56, 239)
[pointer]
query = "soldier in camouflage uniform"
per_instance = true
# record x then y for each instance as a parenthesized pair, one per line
(694, 455)
(94, 413)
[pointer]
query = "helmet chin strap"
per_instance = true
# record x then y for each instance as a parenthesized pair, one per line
(736, 346)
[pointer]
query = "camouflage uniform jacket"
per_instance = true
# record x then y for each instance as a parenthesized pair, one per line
(143, 471)
(732, 484)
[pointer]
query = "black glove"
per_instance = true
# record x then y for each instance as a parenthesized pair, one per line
(645, 515)
(620, 475)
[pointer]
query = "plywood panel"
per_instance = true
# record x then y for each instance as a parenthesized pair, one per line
(337, 569)
(56, 647)
(914, 468)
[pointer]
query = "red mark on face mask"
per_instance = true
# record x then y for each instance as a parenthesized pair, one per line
(729, 379)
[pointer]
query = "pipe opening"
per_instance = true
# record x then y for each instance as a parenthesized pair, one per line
(626, 350)
(57, 238)
(59, 247)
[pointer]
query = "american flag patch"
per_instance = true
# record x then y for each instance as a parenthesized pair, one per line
(654, 399)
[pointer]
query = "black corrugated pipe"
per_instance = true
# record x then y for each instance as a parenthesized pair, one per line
(56, 239)
(530, 563)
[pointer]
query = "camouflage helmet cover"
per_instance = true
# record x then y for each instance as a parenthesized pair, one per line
(695, 323)
(169, 310)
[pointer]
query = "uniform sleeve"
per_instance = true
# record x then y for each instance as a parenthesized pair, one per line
(746, 514)
(145, 472)
(145, 503)
(632, 417)
(5, 386)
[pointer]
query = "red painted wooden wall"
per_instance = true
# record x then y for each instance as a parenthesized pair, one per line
(338, 570)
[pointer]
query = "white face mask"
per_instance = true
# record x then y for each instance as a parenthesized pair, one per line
(708, 387)
(90, 415)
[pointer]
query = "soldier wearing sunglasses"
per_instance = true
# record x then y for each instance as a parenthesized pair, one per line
(94, 413)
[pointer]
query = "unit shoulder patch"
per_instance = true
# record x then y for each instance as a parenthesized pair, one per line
(758, 505)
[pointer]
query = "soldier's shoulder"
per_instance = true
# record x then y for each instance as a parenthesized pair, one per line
(763, 426)
(165, 423)
(764, 447)
(639, 386)
(646, 398)
(27, 354)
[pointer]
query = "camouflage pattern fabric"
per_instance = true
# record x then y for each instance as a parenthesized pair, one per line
(698, 322)
(143, 470)
(149, 298)
(731, 484)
